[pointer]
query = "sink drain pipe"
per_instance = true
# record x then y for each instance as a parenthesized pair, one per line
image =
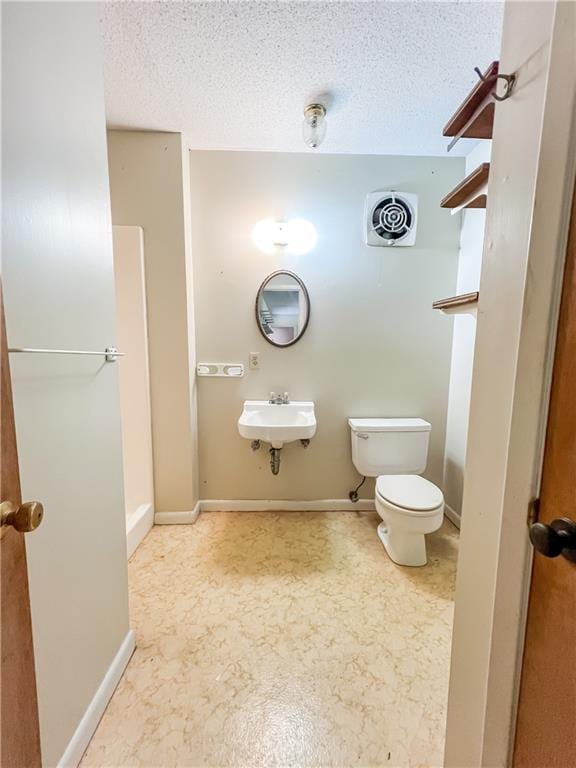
(275, 460)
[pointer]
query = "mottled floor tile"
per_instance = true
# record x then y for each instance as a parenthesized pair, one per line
(282, 639)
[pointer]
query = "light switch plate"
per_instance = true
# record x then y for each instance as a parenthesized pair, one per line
(254, 361)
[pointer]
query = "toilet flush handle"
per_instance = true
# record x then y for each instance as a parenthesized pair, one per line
(362, 435)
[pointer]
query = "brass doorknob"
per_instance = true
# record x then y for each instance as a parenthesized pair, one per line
(25, 518)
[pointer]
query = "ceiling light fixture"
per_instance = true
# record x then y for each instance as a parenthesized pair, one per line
(314, 127)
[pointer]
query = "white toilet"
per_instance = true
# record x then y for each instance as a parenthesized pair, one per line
(395, 451)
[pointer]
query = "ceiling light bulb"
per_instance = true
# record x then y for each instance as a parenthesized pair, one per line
(314, 128)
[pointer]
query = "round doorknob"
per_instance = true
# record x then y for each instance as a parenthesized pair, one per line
(25, 518)
(555, 539)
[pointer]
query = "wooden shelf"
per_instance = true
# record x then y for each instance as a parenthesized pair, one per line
(471, 192)
(474, 118)
(463, 302)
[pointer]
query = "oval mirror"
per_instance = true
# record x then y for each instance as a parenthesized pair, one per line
(282, 308)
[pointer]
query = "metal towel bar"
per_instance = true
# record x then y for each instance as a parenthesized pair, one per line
(111, 354)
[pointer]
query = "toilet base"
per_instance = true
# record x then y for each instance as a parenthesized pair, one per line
(402, 547)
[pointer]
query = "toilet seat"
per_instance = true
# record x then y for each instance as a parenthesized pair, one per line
(410, 494)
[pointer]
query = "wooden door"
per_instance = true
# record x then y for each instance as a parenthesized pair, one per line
(546, 725)
(19, 731)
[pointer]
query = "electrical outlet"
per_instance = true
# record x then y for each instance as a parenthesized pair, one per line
(254, 361)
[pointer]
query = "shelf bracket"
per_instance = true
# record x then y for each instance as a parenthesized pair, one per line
(510, 80)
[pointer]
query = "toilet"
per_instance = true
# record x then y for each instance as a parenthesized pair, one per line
(395, 451)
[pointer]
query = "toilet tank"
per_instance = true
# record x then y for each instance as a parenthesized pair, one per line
(389, 446)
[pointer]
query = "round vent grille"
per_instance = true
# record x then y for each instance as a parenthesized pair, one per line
(392, 218)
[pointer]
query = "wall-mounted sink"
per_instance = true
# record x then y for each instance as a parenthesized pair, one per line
(277, 424)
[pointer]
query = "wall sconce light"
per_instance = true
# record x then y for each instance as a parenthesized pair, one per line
(296, 236)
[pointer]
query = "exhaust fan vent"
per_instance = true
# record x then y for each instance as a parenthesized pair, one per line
(391, 218)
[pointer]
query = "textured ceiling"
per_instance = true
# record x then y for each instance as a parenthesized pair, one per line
(236, 75)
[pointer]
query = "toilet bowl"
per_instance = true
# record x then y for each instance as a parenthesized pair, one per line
(410, 507)
(395, 451)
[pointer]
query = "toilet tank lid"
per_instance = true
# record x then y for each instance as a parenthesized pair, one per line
(389, 425)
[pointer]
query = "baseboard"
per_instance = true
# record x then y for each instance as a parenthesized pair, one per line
(452, 515)
(87, 726)
(279, 505)
(261, 505)
(178, 518)
(138, 524)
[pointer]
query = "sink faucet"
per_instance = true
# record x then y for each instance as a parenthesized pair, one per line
(278, 399)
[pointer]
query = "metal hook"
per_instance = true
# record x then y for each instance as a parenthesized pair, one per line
(508, 79)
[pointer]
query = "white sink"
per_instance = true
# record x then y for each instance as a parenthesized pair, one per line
(277, 424)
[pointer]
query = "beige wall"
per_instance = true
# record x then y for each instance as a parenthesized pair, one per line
(147, 183)
(469, 266)
(59, 289)
(374, 346)
(133, 369)
(529, 193)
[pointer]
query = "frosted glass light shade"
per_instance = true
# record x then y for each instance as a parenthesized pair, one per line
(314, 126)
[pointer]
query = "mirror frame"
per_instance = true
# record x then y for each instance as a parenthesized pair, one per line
(304, 290)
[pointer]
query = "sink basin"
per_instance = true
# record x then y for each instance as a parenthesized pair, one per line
(277, 424)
